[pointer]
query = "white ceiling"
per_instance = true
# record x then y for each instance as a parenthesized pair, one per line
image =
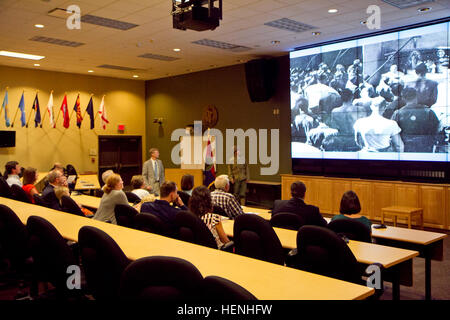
(242, 24)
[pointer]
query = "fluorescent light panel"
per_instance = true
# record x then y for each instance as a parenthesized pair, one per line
(20, 55)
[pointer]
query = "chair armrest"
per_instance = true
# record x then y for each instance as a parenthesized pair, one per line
(228, 247)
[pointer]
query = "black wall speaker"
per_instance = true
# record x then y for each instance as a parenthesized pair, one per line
(260, 76)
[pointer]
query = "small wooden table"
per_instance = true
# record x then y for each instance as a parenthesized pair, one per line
(407, 212)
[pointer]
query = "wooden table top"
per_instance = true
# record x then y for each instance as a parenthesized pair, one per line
(265, 280)
(402, 209)
(364, 252)
(87, 182)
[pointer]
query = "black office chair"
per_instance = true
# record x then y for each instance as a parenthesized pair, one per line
(70, 170)
(192, 229)
(51, 256)
(38, 200)
(125, 215)
(5, 190)
(103, 262)
(254, 237)
(132, 197)
(160, 278)
(184, 197)
(69, 205)
(99, 193)
(287, 220)
(322, 251)
(221, 289)
(277, 204)
(148, 222)
(17, 193)
(218, 210)
(352, 229)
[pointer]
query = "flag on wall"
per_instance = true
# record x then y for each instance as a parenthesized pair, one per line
(65, 111)
(77, 109)
(90, 112)
(22, 110)
(5, 107)
(50, 110)
(37, 117)
(102, 112)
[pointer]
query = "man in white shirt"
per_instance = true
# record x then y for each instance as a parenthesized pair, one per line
(12, 170)
(153, 171)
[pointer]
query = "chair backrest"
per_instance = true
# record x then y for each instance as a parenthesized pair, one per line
(38, 200)
(218, 210)
(277, 204)
(322, 251)
(103, 262)
(125, 215)
(254, 237)
(220, 289)
(70, 170)
(184, 197)
(160, 278)
(19, 194)
(352, 229)
(5, 190)
(287, 220)
(69, 205)
(13, 237)
(148, 222)
(192, 229)
(50, 252)
(132, 197)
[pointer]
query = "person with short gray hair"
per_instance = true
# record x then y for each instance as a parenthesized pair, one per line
(221, 198)
(55, 179)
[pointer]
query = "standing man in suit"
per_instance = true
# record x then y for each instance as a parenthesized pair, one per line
(309, 213)
(153, 171)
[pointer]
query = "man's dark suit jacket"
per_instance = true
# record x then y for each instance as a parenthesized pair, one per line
(163, 210)
(49, 197)
(310, 214)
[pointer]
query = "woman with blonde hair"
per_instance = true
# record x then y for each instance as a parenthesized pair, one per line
(113, 195)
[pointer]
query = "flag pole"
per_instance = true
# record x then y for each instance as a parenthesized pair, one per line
(1, 109)
(31, 112)
(14, 120)
(56, 121)
(42, 121)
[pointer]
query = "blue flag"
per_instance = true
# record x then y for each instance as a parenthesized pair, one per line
(90, 112)
(5, 107)
(37, 117)
(22, 110)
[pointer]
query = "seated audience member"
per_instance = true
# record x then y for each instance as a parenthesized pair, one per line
(12, 170)
(220, 197)
(55, 179)
(137, 182)
(187, 184)
(162, 208)
(106, 174)
(113, 195)
(64, 191)
(201, 205)
(59, 166)
(310, 214)
(30, 177)
(350, 207)
(149, 198)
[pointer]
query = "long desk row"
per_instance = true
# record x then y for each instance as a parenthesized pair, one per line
(265, 280)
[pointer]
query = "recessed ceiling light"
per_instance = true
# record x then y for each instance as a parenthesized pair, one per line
(37, 65)
(316, 33)
(424, 9)
(90, 71)
(20, 55)
(332, 10)
(177, 50)
(39, 26)
(135, 76)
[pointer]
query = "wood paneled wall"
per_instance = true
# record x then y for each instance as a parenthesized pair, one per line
(326, 193)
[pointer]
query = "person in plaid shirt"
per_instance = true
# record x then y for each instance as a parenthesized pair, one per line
(220, 197)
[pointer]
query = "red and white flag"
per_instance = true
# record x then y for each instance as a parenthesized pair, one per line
(102, 113)
(65, 111)
(50, 110)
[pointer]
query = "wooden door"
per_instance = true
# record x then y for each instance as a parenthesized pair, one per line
(122, 154)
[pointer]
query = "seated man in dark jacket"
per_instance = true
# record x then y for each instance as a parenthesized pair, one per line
(310, 214)
(162, 208)
(55, 179)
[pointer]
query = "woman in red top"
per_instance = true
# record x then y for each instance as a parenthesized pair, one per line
(30, 176)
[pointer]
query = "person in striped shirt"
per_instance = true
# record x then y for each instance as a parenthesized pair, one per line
(221, 198)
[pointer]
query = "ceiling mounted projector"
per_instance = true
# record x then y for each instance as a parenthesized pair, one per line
(198, 15)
